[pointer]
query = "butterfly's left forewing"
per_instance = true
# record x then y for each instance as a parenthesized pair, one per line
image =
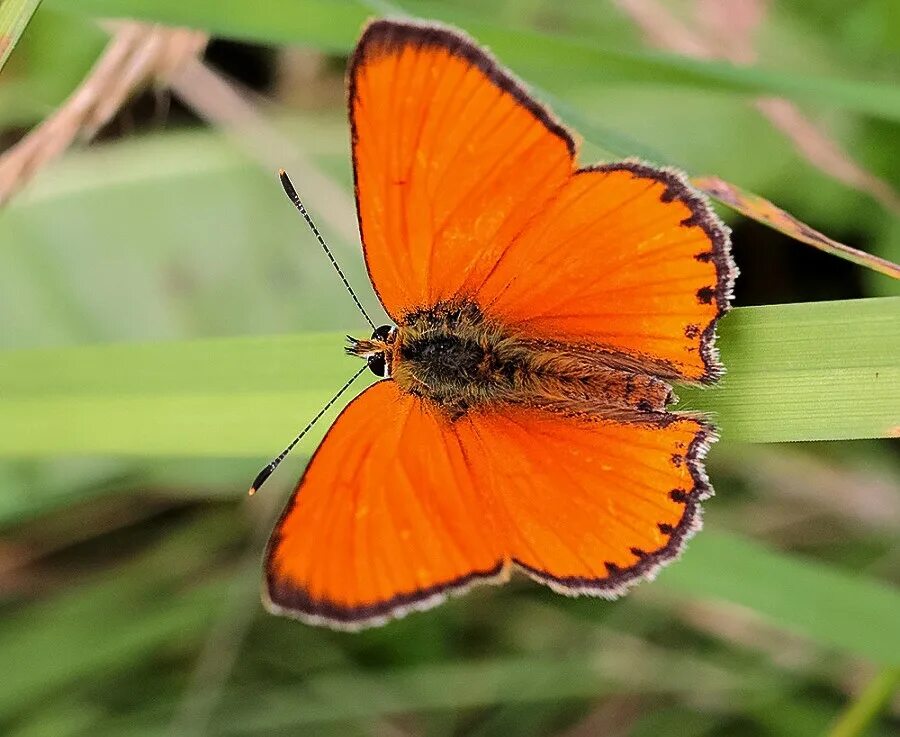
(451, 159)
(627, 258)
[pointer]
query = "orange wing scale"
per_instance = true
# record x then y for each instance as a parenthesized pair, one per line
(591, 506)
(625, 256)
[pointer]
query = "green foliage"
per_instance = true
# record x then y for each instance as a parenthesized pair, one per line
(835, 608)
(537, 56)
(242, 396)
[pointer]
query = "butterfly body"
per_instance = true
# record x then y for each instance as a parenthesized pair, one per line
(541, 312)
(458, 361)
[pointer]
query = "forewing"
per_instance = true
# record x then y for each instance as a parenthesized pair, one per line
(386, 519)
(451, 158)
(590, 506)
(626, 257)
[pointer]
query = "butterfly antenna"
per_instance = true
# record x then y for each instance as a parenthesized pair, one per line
(275, 462)
(295, 198)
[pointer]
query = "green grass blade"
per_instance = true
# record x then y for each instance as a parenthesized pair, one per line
(14, 16)
(344, 696)
(105, 625)
(541, 58)
(852, 613)
(795, 372)
(865, 711)
(819, 371)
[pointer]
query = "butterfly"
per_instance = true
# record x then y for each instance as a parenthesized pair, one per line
(541, 313)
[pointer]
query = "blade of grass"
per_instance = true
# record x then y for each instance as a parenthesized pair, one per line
(795, 372)
(345, 696)
(818, 371)
(762, 211)
(850, 612)
(856, 721)
(14, 17)
(333, 27)
(109, 623)
(223, 643)
(136, 55)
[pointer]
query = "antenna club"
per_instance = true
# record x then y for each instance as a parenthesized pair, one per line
(270, 467)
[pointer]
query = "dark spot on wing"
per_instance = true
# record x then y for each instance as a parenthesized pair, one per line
(679, 495)
(705, 295)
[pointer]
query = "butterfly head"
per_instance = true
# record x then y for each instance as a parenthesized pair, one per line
(377, 350)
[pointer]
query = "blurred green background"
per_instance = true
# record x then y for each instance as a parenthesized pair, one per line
(129, 553)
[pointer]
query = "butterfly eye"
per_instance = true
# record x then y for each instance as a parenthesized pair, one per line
(384, 333)
(378, 365)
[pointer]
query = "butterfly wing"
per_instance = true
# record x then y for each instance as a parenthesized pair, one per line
(466, 188)
(590, 506)
(451, 159)
(401, 507)
(626, 257)
(386, 519)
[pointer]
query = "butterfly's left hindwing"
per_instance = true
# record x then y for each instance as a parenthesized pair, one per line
(388, 518)
(401, 507)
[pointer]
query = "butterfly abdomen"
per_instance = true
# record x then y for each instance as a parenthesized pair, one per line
(459, 360)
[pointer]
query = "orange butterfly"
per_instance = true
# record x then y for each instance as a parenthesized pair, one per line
(541, 312)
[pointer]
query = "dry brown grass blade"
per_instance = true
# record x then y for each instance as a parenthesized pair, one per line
(765, 212)
(222, 104)
(137, 55)
(724, 29)
(614, 716)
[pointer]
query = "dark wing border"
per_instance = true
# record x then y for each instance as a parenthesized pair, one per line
(677, 187)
